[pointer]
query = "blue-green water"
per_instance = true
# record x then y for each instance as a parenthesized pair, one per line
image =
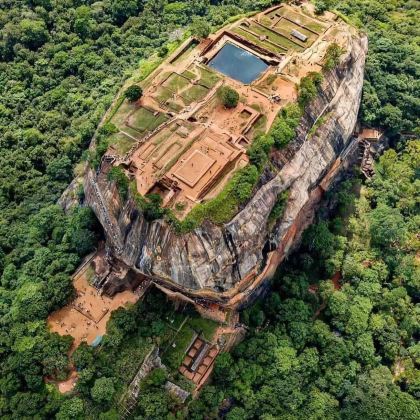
(238, 63)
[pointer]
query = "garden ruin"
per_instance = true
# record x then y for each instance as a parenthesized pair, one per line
(178, 140)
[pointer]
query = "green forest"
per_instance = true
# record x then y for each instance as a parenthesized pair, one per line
(349, 352)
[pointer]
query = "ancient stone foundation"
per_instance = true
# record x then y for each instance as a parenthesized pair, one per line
(225, 263)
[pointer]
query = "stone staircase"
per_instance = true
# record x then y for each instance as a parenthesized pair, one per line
(367, 163)
(105, 218)
(129, 400)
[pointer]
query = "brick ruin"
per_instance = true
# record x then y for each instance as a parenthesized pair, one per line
(182, 143)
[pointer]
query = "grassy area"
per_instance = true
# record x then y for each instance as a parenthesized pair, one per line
(303, 20)
(185, 53)
(119, 117)
(193, 94)
(142, 119)
(208, 78)
(162, 136)
(265, 20)
(287, 27)
(174, 353)
(258, 128)
(147, 67)
(175, 320)
(235, 18)
(121, 143)
(90, 274)
(163, 94)
(206, 327)
(276, 38)
(176, 349)
(175, 82)
(174, 106)
(267, 82)
(254, 39)
(131, 131)
(189, 74)
(145, 120)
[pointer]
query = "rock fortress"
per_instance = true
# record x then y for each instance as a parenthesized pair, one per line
(180, 145)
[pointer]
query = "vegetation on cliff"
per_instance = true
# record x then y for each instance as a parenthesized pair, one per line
(61, 64)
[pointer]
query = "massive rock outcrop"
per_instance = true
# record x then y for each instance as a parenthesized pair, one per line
(218, 261)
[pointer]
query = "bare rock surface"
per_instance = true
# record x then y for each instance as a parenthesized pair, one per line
(216, 258)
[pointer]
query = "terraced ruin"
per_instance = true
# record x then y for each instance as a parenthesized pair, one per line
(180, 223)
(179, 141)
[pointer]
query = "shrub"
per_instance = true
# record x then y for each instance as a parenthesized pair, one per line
(222, 208)
(100, 149)
(278, 208)
(133, 93)
(108, 129)
(284, 128)
(117, 175)
(259, 150)
(156, 378)
(103, 390)
(150, 205)
(332, 56)
(320, 7)
(200, 28)
(228, 96)
(308, 88)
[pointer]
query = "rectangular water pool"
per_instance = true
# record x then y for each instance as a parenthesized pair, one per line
(237, 63)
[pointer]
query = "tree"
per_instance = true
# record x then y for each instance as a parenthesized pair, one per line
(282, 133)
(71, 409)
(83, 356)
(33, 33)
(392, 117)
(60, 169)
(376, 394)
(30, 302)
(228, 96)
(154, 404)
(133, 93)
(320, 7)
(308, 89)
(321, 405)
(259, 150)
(103, 390)
(200, 28)
(387, 226)
(319, 239)
(237, 413)
(122, 9)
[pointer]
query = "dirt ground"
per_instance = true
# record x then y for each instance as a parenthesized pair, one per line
(86, 317)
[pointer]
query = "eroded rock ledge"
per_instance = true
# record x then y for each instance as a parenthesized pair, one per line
(216, 262)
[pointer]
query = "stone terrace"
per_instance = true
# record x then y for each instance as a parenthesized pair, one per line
(179, 141)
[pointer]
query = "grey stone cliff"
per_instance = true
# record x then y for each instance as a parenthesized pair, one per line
(216, 258)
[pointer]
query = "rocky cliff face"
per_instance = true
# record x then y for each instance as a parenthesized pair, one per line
(213, 260)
